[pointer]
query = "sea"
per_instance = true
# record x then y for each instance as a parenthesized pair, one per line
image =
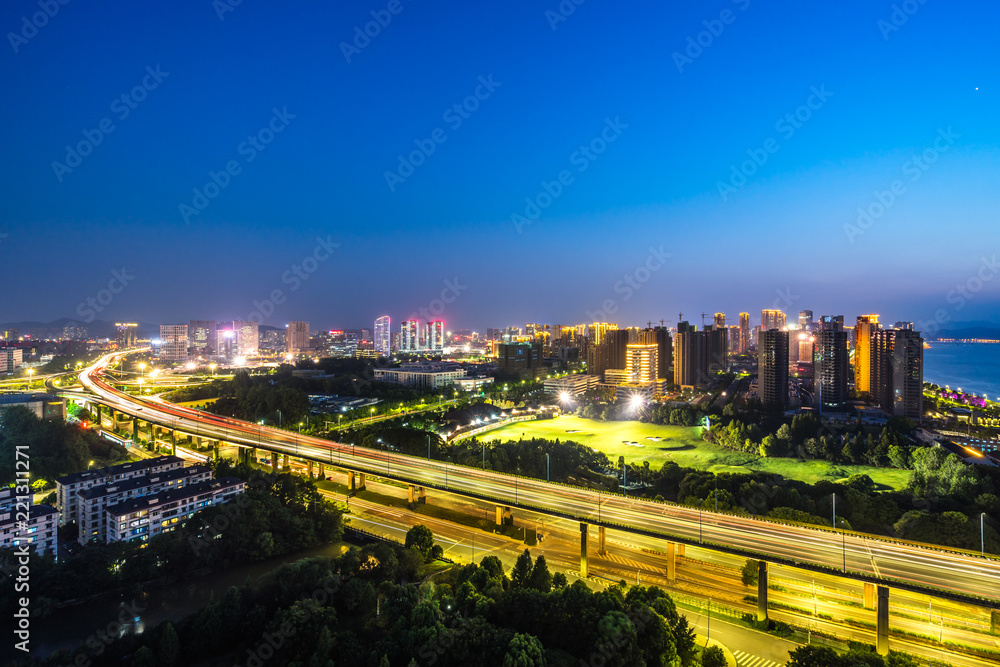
(973, 367)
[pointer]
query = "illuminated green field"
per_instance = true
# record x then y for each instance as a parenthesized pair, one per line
(684, 446)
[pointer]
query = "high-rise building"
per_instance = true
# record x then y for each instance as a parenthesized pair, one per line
(744, 343)
(642, 362)
(898, 383)
(435, 336)
(247, 338)
(771, 319)
(718, 348)
(296, 338)
(617, 340)
(523, 358)
(173, 343)
(720, 320)
(383, 343)
(690, 357)
(864, 372)
(598, 329)
(12, 335)
(903, 325)
(409, 336)
(772, 367)
(806, 320)
(660, 336)
(830, 363)
(125, 335)
(202, 337)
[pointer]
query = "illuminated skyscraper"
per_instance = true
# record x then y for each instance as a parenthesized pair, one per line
(597, 330)
(744, 343)
(720, 320)
(409, 336)
(383, 342)
(435, 335)
(124, 335)
(660, 336)
(772, 367)
(202, 337)
(772, 319)
(690, 356)
(806, 320)
(173, 342)
(247, 341)
(297, 338)
(898, 362)
(864, 372)
(718, 348)
(642, 362)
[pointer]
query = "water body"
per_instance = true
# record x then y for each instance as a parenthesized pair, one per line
(975, 367)
(66, 628)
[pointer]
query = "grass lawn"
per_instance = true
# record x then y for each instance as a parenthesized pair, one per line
(683, 445)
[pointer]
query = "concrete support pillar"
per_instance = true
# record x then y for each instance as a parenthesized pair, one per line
(869, 595)
(362, 483)
(671, 561)
(762, 592)
(583, 550)
(322, 471)
(173, 443)
(135, 430)
(600, 540)
(284, 464)
(680, 549)
(499, 515)
(350, 481)
(97, 413)
(995, 622)
(310, 470)
(215, 453)
(274, 461)
(411, 494)
(882, 622)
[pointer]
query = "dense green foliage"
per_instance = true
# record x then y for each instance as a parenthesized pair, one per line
(53, 447)
(362, 609)
(278, 514)
(816, 656)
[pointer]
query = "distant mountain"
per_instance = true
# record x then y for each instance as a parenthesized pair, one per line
(986, 330)
(97, 328)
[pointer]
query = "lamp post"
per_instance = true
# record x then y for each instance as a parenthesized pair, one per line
(982, 534)
(212, 366)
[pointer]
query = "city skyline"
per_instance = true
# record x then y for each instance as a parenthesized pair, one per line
(742, 189)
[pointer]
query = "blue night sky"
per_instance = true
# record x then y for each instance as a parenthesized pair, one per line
(787, 234)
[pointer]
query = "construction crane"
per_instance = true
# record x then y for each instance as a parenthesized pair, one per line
(703, 316)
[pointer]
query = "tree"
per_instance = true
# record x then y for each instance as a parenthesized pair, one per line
(769, 446)
(421, 538)
(713, 656)
(559, 580)
(521, 573)
(524, 651)
(750, 571)
(541, 578)
(814, 656)
(144, 657)
(169, 646)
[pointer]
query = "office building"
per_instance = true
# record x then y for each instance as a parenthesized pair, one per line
(10, 359)
(297, 338)
(771, 319)
(830, 364)
(225, 342)
(125, 335)
(772, 368)
(45, 406)
(247, 339)
(806, 320)
(10, 335)
(642, 362)
(435, 336)
(521, 358)
(597, 360)
(383, 336)
(864, 333)
(660, 336)
(173, 347)
(617, 341)
(719, 320)
(898, 361)
(409, 337)
(92, 502)
(572, 385)
(425, 375)
(149, 516)
(690, 357)
(69, 487)
(203, 336)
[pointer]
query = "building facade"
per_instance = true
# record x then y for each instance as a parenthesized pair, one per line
(830, 364)
(864, 338)
(383, 336)
(173, 343)
(202, 337)
(297, 338)
(772, 368)
(69, 487)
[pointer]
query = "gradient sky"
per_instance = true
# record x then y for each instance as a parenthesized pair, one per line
(779, 239)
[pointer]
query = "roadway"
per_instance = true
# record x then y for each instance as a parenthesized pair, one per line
(858, 556)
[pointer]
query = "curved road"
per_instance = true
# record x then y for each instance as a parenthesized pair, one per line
(895, 563)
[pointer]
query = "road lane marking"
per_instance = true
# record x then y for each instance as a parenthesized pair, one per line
(748, 660)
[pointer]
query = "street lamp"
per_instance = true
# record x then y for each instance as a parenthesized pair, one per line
(31, 371)
(982, 534)
(212, 366)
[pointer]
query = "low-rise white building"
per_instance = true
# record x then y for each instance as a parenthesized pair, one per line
(68, 487)
(430, 375)
(574, 385)
(39, 530)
